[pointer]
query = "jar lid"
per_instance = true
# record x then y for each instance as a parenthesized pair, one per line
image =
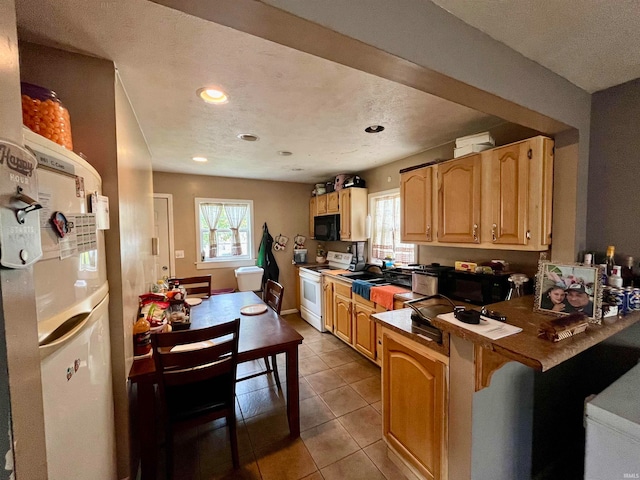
(38, 92)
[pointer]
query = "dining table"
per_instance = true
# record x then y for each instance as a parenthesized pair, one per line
(261, 335)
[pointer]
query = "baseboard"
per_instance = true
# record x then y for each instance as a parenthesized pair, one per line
(287, 312)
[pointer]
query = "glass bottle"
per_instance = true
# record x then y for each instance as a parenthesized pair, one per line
(141, 336)
(611, 250)
(627, 273)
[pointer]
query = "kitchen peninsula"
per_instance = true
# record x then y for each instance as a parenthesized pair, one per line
(464, 409)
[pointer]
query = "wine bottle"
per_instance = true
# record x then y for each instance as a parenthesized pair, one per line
(627, 273)
(611, 250)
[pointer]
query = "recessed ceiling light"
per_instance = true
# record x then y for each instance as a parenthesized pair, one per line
(248, 137)
(374, 129)
(284, 153)
(212, 95)
(199, 159)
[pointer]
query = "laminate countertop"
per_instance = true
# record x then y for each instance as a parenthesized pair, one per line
(525, 347)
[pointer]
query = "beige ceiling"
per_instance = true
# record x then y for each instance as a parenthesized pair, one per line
(304, 104)
(592, 43)
(291, 100)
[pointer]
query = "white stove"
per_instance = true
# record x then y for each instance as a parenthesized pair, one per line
(311, 298)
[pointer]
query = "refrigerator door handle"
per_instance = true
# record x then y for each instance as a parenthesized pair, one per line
(66, 330)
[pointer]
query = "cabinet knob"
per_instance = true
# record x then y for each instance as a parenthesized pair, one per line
(493, 232)
(475, 232)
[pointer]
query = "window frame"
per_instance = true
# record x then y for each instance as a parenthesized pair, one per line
(371, 200)
(224, 262)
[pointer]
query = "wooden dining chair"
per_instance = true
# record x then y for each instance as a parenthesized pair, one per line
(196, 377)
(273, 294)
(195, 286)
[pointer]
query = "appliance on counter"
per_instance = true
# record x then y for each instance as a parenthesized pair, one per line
(326, 228)
(477, 288)
(612, 421)
(358, 258)
(72, 303)
(421, 279)
(311, 298)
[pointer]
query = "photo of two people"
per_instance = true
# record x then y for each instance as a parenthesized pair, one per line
(567, 289)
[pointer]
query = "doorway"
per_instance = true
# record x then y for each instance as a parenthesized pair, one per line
(164, 264)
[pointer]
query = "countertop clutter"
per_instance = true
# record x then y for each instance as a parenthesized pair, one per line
(527, 347)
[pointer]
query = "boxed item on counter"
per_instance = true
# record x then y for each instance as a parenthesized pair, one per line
(465, 266)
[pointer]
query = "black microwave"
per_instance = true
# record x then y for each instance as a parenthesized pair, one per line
(477, 288)
(326, 228)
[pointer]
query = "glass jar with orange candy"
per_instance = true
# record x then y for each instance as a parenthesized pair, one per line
(45, 114)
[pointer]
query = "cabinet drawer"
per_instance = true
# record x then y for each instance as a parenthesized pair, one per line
(363, 301)
(342, 289)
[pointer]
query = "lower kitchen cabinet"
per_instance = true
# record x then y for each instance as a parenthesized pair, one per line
(415, 396)
(342, 318)
(327, 300)
(364, 337)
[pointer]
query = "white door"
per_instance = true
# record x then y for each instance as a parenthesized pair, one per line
(163, 225)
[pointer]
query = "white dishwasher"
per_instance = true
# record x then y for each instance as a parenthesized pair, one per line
(612, 448)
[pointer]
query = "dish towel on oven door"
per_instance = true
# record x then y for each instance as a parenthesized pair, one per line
(362, 288)
(384, 295)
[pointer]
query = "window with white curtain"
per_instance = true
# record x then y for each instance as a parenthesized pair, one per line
(384, 208)
(224, 229)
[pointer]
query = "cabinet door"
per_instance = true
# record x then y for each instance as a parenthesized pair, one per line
(312, 214)
(321, 204)
(342, 318)
(365, 331)
(414, 406)
(333, 202)
(416, 197)
(459, 200)
(345, 213)
(328, 304)
(510, 193)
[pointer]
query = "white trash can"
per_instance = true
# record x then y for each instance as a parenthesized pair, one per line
(249, 278)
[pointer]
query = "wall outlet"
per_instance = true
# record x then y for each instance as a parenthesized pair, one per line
(179, 253)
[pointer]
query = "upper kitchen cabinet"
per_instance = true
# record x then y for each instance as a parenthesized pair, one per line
(321, 205)
(312, 213)
(459, 196)
(416, 192)
(498, 199)
(353, 213)
(333, 204)
(519, 187)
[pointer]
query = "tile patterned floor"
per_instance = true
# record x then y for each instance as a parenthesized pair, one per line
(340, 422)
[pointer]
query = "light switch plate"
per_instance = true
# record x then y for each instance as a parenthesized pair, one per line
(179, 253)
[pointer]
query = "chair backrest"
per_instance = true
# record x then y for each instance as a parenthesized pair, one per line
(195, 286)
(192, 356)
(273, 295)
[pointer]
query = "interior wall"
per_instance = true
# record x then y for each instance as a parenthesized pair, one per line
(22, 441)
(614, 171)
(135, 211)
(283, 206)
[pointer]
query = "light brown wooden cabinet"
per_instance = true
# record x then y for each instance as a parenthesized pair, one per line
(498, 199)
(321, 205)
(414, 398)
(353, 213)
(342, 324)
(459, 200)
(333, 202)
(416, 192)
(312, 214)
(364, 336)
(327, 298)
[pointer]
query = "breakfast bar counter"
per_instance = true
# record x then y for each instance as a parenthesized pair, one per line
(526, 347)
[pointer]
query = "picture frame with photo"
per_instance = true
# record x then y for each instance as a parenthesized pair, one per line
(563, 289)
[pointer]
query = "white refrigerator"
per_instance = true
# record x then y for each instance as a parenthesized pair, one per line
(612, 447)
(73, 323)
